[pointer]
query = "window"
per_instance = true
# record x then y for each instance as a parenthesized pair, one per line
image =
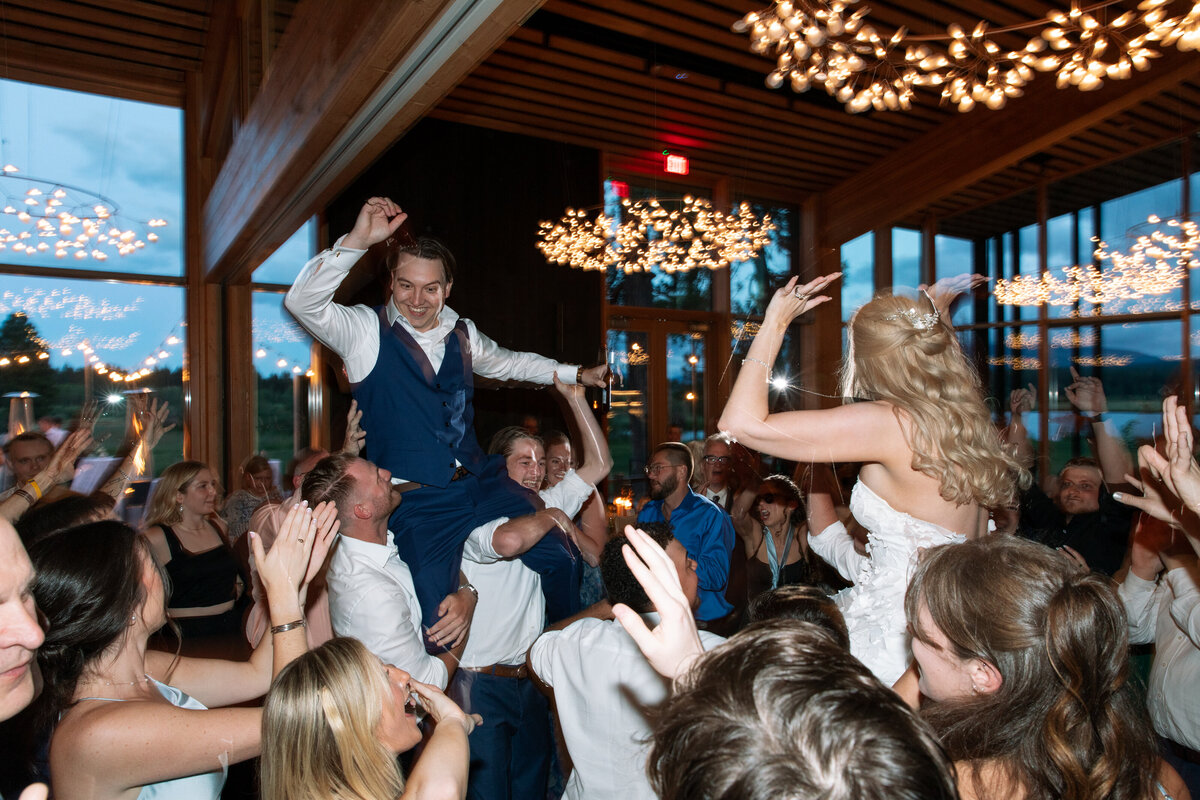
(752, 283)
(858, 273)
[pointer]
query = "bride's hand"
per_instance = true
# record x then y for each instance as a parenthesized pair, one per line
(793, 300)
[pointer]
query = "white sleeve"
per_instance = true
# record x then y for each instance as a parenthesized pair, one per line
(493, 361)
(478, 547)
(383, 621)
(351, 332)
(1185, 605)
(835, 545)
(569, 495)
(540, 656)
(1140, 598)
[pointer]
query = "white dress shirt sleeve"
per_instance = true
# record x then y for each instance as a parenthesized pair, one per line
(835, 545)
(1185, 603)
(351, 332)
(493, 361)
(478, 547)
(568, 495)
(384, 622)
(1141, 605)
(540, 656)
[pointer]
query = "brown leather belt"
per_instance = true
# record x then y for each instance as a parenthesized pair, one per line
(502, 670)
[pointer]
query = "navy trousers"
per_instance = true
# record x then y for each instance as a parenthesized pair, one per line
(510, 751)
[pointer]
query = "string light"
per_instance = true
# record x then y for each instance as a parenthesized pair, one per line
(816, 43)
(674, 236)
(70, 220)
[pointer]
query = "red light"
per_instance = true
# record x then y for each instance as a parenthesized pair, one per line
(677, 165)
(620, 188)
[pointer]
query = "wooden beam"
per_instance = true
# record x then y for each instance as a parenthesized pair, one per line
(342, 88)
(975, 145)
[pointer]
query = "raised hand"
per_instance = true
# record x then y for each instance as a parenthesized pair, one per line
(378, 219)
(794, 299)
(674, 645)
(356, 437)
(62, 463)
(1086, 394)
(152, 421)
(571, 391)
(597, 376)
(285, 567)
(1151, 502)
(1182, 473)
(1021, 401)
(943, 293)
(437, 705)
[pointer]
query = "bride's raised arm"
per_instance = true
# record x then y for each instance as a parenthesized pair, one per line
(859, 432)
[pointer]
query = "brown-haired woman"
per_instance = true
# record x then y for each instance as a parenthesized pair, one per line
(1023, 658)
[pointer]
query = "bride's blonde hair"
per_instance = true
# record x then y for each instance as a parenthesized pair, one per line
(903, 352)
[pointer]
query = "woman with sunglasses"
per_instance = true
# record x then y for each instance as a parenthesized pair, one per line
(933, 463)
(771, 526)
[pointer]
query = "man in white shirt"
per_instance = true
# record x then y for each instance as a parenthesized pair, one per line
(371, 594)
(1168, 614)
(603, 686)
(411, 363)
(510, 751)
(716, 466)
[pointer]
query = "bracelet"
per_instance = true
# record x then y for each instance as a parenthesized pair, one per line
(287, 626)
(22, 493)
(1097, 417)
(756, 361)
(470, 589)
(36, 488)
(579, 376)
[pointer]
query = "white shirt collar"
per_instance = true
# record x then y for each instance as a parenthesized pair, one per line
(378, 553)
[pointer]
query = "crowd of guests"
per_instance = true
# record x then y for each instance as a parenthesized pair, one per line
(422, 617)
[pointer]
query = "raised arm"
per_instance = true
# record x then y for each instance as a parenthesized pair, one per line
(310, 300)
(149, 427)
(858, 432)
(1020, 401)
(595, 459)
(23, 497)
(441, 771)
(1087, 396)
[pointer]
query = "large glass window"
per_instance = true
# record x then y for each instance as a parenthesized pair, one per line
(75, 152)
(282, 355)
(858, 273)
(752, 282)
(906, 258)
(956, 256)
(284, 264)
(690, 290)
(77, 341)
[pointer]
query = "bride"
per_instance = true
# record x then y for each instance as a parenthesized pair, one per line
(933, 463)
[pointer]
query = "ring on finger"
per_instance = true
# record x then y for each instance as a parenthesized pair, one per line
(300, 539)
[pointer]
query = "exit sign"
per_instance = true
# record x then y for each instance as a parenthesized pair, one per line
(677, 165)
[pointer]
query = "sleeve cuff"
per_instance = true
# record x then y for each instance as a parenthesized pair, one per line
(478, 547)
(1138, 585)
(341, 258)
(567, 372)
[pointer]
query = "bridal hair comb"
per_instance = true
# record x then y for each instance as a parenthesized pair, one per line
(922, 322)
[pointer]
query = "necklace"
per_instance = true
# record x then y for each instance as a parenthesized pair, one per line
(143, 679)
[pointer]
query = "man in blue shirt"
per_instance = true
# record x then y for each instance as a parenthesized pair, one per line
(699, 524)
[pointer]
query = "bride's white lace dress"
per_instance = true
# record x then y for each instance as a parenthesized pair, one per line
(874, 605)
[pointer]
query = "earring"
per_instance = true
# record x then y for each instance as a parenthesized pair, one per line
(974, 689)
(132, 620)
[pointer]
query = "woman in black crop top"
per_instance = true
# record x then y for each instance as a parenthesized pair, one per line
(188, 539)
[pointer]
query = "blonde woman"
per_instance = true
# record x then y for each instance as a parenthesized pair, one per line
(336, 719)
(189, 541)
(932, 461)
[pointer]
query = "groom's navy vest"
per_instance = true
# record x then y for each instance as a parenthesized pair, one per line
(419, 423)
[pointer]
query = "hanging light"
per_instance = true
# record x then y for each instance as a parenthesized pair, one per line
(670, 235)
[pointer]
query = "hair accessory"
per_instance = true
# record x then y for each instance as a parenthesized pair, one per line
(287, 626)
(922, 322)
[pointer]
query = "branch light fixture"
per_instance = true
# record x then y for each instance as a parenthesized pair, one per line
(40, 216)
(1154, 266)
(671, 235)
(824, 43)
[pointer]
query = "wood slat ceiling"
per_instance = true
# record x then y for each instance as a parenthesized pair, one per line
(634, 77)
(631, 77)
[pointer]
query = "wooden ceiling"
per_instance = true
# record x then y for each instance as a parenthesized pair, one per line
(635, 77)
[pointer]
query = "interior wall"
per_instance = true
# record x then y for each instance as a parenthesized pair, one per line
(483, 193)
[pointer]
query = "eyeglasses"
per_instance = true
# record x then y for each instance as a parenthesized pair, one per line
(654, 469)
(770, 497)
(716, 459)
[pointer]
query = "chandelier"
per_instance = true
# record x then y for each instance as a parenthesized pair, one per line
(40, 216)
(822, 43)
(672, 235)
(1154, 266)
